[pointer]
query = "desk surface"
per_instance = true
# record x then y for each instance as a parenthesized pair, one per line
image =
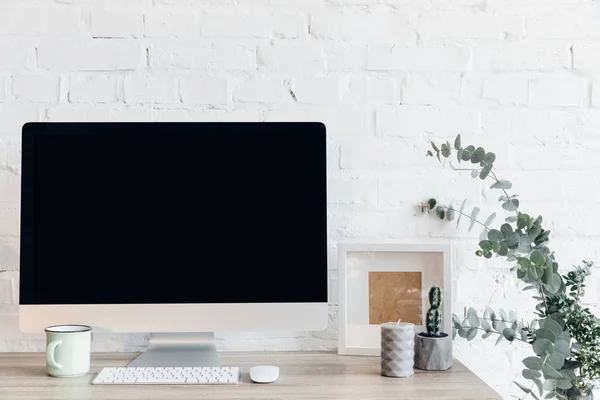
(303, 375)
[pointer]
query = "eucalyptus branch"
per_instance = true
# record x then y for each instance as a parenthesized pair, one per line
(533, 384)
(522, 238)
(464, 215)
(500, 333)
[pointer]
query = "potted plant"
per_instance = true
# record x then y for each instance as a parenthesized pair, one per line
(564, 338)
(433, 349)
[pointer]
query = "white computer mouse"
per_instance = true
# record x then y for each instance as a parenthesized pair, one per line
(264, 374)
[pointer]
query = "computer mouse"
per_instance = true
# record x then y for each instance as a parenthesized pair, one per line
(264, 374)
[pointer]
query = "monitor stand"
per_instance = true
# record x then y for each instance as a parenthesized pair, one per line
(179, 350)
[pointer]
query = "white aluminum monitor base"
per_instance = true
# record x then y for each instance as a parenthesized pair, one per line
(179, 350)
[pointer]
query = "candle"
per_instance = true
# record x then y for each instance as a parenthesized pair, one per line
(397, 349)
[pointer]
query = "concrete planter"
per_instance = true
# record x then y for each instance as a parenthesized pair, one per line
(433, 353)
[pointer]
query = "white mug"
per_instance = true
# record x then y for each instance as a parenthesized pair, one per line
(68, 350)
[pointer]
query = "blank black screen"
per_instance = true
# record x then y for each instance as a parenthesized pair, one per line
(126, 213)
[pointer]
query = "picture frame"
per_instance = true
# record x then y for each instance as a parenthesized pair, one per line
(374, 275)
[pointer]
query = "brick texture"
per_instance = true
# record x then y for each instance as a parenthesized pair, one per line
(519, 77)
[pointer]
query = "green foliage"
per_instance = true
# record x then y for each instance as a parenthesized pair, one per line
(565, 337)
(434, 315)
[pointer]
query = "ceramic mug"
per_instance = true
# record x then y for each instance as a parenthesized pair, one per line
(68, 350)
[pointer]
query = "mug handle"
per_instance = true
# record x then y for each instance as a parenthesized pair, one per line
(50, 354)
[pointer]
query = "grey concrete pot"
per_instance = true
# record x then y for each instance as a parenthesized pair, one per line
(433, 353)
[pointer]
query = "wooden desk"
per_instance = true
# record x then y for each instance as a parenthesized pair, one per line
(305, 376)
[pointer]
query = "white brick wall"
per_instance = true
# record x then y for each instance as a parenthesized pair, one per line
(520, 77)
(99, 88)
(160, 23)
(260, 91)
(40, 88)
(115, 24)
(204, 91)
(160, 88)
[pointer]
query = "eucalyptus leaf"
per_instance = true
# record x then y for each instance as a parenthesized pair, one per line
(485, 171)
(568, 374)
(474, 215)
(533, 363)
(522, 387)
(501, 185)
(498, 325)
(562, 346)
(543, 347)
(478, 155)
(511, 239)
(456, 322)
(457, 144)
(445, 151)
(468, 152)
(496, 247)
(547, 276)
(555, 284)
(487, 313)
(512, 316)
(495, 235)
(509, 334)
(471, 334)
(524, 335)
(537, 258)
(485, 245)
(450, 214)
(522, 220)
(434, 146)
(556, 360)
(500, 337)
(564, 384)
(550, 372)
(459, 155)
(535, 230)
(506, 229)
(489, 158)
(551, 325)
(439, 211)
(432, 203)
(486, 325)
(489, 220)
(460, 214)
(531, 374)
(474, 173)
(486, 335)
(549, 384)
(511, 219)
(550, 395)
(473, 318)
(503, 251)
(539, 385)
(511, 205)
(503, 315)
(555, 318)
(571, 365)
(544, 333)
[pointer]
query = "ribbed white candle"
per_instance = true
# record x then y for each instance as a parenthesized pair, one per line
(397, 349)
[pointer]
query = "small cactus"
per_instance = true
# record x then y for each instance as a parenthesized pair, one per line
(434, 315)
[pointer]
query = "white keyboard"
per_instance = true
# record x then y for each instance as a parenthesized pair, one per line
(168, 376)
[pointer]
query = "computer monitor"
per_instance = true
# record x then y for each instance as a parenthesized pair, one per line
(174, 227)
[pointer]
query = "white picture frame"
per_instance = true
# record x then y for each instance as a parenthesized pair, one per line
(364, 339)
